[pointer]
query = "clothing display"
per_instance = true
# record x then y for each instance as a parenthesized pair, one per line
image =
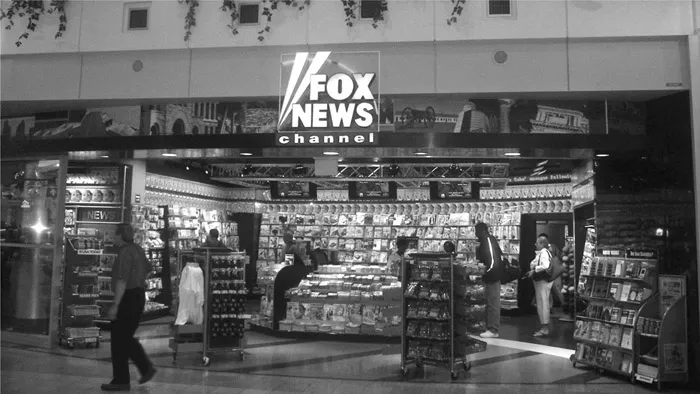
(191, 295)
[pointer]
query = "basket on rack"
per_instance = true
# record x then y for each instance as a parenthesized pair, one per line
(82, 332)
(84, 310)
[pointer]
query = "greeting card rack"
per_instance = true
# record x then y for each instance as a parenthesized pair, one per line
(615, 283)
(662, 334)
(436, 312)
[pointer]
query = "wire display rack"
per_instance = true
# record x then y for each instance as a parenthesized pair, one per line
(438, 312)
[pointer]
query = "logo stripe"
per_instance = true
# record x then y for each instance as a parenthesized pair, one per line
(316, 64)
(299, 62)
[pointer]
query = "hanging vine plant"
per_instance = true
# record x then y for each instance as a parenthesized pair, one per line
(350, 9)
(33, 10)
(457, 8)
(269, 10)
(190, 18)
(230, 7)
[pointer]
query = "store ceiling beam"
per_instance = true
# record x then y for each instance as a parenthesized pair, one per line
(389, 144)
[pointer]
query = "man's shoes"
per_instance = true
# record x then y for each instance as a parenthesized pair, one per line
(148, 376)
(116, 387)
(489, 334)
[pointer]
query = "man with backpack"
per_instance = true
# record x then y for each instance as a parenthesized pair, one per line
(489, 254)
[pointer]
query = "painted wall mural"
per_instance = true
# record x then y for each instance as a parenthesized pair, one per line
(433, 114)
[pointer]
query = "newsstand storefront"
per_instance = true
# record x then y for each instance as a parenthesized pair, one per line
(347, 166)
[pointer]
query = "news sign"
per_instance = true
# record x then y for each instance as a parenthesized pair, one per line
(329, 99)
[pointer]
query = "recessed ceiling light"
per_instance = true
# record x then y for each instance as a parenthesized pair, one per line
(421, 153)
(246, 154)
(512, 154)
(169, 154)
(104, 156)
(602, 155)
(329, 153)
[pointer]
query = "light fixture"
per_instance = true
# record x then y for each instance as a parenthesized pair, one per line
(247, 170)
(104, 156)
(299, 170)
(602, 155)
(169, 153)
(246, 154)
(420, 153)
(394, 170)
(330, 153)
(514, 154)
(39, 227)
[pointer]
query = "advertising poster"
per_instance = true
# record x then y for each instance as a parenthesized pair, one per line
(671, 289)
(675, 360)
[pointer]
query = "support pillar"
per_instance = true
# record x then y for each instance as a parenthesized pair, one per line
(505, 115)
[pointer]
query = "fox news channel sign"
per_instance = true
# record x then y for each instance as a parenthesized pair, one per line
(329, 99)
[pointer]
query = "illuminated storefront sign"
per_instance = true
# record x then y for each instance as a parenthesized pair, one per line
(327, 101)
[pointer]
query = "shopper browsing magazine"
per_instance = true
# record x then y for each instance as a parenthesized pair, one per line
(543, 287)
(490, 255)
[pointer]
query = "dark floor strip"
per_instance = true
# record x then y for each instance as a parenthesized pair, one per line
(475, 364)
(581, 378)
(312, 361)
(248, 347)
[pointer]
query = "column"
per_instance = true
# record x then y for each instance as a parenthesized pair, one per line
(694, 54)
(505, 114)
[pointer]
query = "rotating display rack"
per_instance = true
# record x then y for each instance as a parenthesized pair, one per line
(441, 303)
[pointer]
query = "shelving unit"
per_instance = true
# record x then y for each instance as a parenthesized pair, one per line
(661, 334)
(80, 292)
(439, 308)
(615, 283)
(368, 238)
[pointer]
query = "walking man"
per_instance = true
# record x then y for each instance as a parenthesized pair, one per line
(128, 283)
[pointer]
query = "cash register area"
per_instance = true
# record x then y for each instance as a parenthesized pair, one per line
(515, 362)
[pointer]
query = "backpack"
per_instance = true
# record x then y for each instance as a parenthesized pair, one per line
(556, 268)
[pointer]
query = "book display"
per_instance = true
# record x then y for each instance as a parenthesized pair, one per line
(614, 283)
(661, 334)
(267, 273)
(81, 291)
(442, 303)
(568, 280)
(96, 202)
(358, 299)
(181, 229)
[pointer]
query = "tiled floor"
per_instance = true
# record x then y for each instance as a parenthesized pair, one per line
(306, 366)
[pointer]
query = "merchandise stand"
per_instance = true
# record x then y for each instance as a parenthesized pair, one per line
(224, 307)
(186, 338)
(615, 283)
(431, 336)
(224, 301)
(661, 335)
(80, 292)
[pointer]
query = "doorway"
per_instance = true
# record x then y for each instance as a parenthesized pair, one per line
(557, 226)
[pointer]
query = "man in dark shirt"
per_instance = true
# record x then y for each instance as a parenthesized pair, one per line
(128, 283)
(490, 256)
(213, 240)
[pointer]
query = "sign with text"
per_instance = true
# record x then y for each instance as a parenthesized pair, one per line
(536, 179)
(100, 215)
(651, 254)
(329, 98)
(440, 190)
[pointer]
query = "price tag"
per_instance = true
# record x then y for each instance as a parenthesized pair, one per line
(90, 340)
(645, 379)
